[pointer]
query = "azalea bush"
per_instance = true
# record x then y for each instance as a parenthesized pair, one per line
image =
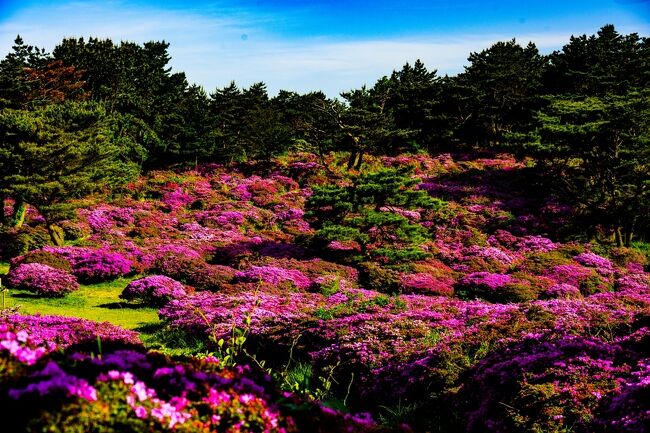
(100, 265)
(42, 279)
(432, 296)
(155, 290)
(54, 379)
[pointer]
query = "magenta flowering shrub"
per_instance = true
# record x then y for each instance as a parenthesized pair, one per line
(570, 274)
(423, 283)
(628, 411)
(544, 385)
(216, 313)
(635, 283)
(563, 291)
(481, 284)
(538, 244)
(129, 389)
(42, 279)
(28, 338)
(154, 290)
(274, 276)
(603, 266)
(101, 265)
(94, 265)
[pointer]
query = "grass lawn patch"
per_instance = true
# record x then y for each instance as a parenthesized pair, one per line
(98, 302)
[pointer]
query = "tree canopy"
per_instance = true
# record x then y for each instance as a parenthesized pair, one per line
(579, 112)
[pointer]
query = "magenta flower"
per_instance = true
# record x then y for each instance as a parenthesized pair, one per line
(155, 290)
(42, 279)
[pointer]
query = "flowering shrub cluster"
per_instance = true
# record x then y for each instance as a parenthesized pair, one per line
(61, 385)
(489, 320)
(155, 290)
(42, 279)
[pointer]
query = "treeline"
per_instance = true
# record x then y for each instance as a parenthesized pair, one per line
(582, 112)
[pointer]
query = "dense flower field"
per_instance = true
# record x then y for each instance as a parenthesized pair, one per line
(494, 321)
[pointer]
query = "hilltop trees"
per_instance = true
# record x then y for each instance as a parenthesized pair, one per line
(14, 83)
(599, 65)
(502, 86)
(56, 153)
(509, 97)
(593, 139)
(598, 150)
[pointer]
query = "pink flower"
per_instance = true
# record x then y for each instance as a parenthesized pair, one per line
(141, 412)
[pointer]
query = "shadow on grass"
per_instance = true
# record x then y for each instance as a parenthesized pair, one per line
(122, 305)
(30, 296)
(150, 328)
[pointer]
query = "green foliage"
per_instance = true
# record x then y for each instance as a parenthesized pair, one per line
(367, 213)
(538, 263)
(16, 242)
(498, 92)
(379, 278)
(14, 83)
(598, 65)
(597, 149)
(55, 153)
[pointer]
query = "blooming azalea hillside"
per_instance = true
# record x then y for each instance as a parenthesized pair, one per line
(419, 293)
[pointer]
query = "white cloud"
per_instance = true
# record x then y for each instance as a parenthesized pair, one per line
(212, 51)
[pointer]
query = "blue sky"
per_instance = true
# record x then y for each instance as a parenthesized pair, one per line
(307, 45)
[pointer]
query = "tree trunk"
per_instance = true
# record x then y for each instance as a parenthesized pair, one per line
(352, 159)
(56, 234)
(618, 236)
(20, 210)
(629, 233)
(359, 160)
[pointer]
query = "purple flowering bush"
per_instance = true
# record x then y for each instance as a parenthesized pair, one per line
(101, 265)
(274, 276)
(52, 379)
(498, 325)
(545, 385)
(154, 290)
(42, 279)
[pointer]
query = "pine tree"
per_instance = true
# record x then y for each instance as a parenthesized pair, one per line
(54, 154)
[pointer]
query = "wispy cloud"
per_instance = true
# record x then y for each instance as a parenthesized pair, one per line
(231, 44)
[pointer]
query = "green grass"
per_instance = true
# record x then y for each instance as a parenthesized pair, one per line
(98, 302)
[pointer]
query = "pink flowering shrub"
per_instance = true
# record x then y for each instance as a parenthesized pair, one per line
(480, 282)
(603, 266)
(155, 290)
(563, 291)
(543, 385)
(101, 265)
(130, 389)
(42, 279)
(274, 276)
(426, 284)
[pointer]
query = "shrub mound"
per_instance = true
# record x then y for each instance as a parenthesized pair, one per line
(154, 290)
(42, 279)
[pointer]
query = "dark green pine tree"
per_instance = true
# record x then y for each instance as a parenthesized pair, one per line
(597, 150)
(264, 133)
(14, 82)
(368, 212)
(366, 124)
(599, 65)
(500, 91)
(415, 105)
(307, 117)
(56, 153)
(226, 112)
